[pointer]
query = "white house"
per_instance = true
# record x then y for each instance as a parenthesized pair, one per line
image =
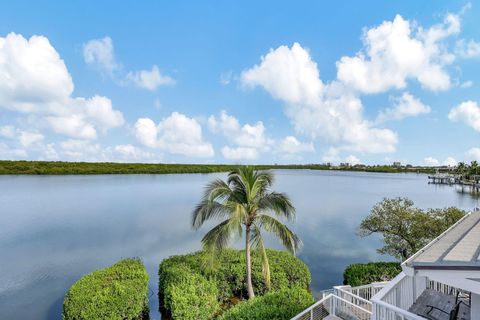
(441, 281)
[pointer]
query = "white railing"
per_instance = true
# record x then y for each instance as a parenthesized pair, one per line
(366, 291)
(355, 299)
(396, 298)
(334, 305)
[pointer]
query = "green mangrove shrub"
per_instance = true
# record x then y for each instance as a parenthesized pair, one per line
(360, 274)
(187, 294)
(277, 305)
(225, 280)
(116, 292)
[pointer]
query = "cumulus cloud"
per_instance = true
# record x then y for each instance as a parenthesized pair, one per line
(467, 112)
(130, 152)
(430, 161)
(398, 50)
(328, 111)
(85, 150)
(288, 74)
(474, 153)
(450, 162)
(404, 106)
(291, 145)
(32, 74)
(240, 153)
(8, 153)
(150, 79)
(100, 53)
(27, 139)
(34, 80)
(250, 138)
(248, 135)
(467, 49)
(7, 131)
(351, 159)
(176, 134)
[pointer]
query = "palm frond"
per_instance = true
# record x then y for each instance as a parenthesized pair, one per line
(219, 237)
(288, 238)
(279, 203)
(207, 210)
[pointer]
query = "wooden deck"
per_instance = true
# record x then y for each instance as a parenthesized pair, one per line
(440, 300)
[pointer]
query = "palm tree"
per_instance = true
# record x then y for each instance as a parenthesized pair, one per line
(474, 167)
(245, 202)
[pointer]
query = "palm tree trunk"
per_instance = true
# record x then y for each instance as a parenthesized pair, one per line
(251, 294)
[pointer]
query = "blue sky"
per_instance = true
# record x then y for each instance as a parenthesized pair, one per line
(246, 82)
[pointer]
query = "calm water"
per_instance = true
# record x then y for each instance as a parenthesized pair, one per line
(53, 229)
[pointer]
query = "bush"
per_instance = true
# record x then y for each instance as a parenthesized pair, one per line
(117, 292)
(228, 277)
(277, 305)
(187, 294)
(360, 274)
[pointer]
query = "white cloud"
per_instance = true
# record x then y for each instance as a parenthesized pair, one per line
(467, 49)
(81, 149)
(150, 80)
(450, 162)
(27, 139)
(474, 153)
(240, 153)
(72, 126)
(291, 145)
(146, 132)
(50, 153)
(396, 51)
(331, 112)
(31, 74)
(466, 84)
(467, 112)
(7, 131)
(177, 134)
(7, 153)
(430, 161)
(99, 52)
(246, 137)
(404, 106)
(130, 152)
(288, 74)
(332, 155)
(351, 159)
(34, 80)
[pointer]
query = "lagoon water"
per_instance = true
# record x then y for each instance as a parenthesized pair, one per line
(54, 229)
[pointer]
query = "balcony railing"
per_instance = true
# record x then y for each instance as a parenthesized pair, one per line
(399, 295)
(334, 305)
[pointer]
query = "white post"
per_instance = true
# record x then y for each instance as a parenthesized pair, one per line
(475, 310)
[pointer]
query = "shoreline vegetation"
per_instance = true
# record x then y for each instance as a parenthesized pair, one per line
(10, 167)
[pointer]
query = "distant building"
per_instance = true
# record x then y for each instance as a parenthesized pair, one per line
(397, 164)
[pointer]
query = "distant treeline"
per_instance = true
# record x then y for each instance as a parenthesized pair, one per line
(62, 168)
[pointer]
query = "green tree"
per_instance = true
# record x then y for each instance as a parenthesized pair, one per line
(473, 167)
(405, 228)
(245, 202)
(461, 167)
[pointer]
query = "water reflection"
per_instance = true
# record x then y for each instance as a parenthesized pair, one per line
(56, 228)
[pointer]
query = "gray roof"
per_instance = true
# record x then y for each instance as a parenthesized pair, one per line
(457, 248)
